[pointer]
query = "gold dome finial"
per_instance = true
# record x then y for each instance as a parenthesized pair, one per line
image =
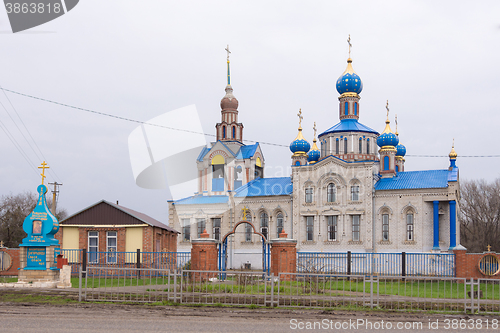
(300, 136)
(314, 147)
(387, 121)
(453, 154)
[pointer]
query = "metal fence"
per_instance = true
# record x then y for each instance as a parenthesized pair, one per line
(313, 290)
(392, 264)
(156, 260)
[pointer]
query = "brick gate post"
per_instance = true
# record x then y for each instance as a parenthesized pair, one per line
(204, 256)
(283, 255)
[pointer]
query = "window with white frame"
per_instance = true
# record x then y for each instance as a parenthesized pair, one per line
(186, 230)
(409, 227)
(216, 228)
(332, 227)
(355, 228)
(385, 227)
(93, 246)
(279, 223)
(111, 247)
(200, 226)
(355, 193)
(248, 228)
(331, 193)
(264, 224)
(310, 228)
(309, 194)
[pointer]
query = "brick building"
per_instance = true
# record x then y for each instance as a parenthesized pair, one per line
(108, 227)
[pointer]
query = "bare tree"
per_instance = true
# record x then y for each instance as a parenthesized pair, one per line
(13, 211)
(480, 215)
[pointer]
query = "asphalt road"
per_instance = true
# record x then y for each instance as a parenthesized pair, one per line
(15, 317)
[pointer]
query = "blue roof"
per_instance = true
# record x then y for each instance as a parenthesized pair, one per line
(349, 125)
(247, 151)
(261, 187)
(416, 179)
(203, 152)
(202, 199)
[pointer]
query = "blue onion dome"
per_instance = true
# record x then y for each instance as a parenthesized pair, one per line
(300, 145)
(400, 150)
(314, 155)
(387, 138)
(349, 81)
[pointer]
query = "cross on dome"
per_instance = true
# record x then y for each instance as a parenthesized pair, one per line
(43, 167)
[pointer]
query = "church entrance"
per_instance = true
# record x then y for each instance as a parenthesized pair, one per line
(223, 251)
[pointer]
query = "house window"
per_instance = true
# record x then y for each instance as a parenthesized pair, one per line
(337, 146)
(264, 224)
(200, 226)
(309, 194)
(345, 145)
(355, 228)
(216, 228)
(367, 146)
(248, 229)
(355, 193)
(309, 228)
(279, 224)
(111, 247)
(93, 238)
(361, 145)
(385, 227)
(186, 230)
(332, 227)
(331, 192)
(409, 226)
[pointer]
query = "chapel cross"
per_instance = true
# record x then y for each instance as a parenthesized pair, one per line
(387, 107)
(43, 167)
(245, 212)
(350, 45)
(314, 128)
(396, 121)
(489, 248)
(300, 117)
(228, 52)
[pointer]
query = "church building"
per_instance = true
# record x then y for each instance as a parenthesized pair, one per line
(350, 194)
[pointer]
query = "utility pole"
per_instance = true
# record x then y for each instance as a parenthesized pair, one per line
(54, 192)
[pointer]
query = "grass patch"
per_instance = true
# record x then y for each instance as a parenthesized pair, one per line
(30, 298)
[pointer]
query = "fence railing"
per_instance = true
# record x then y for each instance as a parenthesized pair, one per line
(158, 260)
(393, 264)
(313, 290)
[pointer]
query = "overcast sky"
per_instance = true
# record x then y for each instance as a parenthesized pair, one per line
(435, 61)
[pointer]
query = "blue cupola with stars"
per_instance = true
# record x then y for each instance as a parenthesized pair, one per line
(400, 150)
(349, 81)
(387, 138)
(300, 146)
(314, 154)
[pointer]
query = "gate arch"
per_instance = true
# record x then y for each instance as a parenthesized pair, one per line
(266, 251)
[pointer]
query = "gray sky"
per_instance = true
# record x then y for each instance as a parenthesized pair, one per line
(436, 63)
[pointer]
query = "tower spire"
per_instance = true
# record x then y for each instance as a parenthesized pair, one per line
(228, 72)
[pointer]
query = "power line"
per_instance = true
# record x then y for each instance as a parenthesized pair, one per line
(184, 130)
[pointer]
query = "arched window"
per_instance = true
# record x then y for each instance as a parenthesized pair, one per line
(386, 162)
(367, 146)
(385, 227)
(297, 163)
(355, 108)
(279, 223)
(309, 194)
(248, 228)
(223, 132)
(355, 193)
(337, 146)
(346, 108)
(397, 168)
(361, 145)
(331, 192)
(345, 145)
(234, 132)
(409, 226)
(264, 224)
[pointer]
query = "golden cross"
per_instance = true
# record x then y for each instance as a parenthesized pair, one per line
(396, 121)
(228, 52)
(489, 248)
(300, 117)
(245, 212)
(350, 45)
(387, 107)
(43, 167)
(314, 128)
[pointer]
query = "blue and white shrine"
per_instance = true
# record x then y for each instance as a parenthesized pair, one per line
(39, 250)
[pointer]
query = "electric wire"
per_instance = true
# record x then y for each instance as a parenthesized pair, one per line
(188, 131)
